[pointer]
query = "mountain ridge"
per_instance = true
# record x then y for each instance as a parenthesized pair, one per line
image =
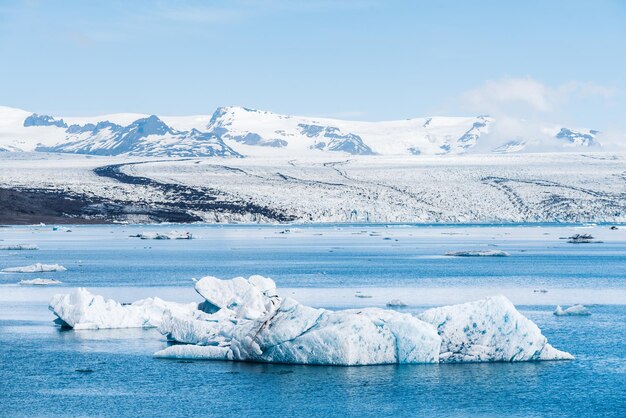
(235, 131)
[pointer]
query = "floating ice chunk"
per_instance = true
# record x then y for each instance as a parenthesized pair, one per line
(293, 333)
(489, 330)
(35, 268)
(18, 247)
(396, 303)
(39, 282)
(576, 310)
(195, 352)
(83, 310)
(289, 332)
(164, 236)
(582, 239)
(478, 253)
(245, 320)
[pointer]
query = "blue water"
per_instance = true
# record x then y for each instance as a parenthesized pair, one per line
(49, 372)
(322, 257)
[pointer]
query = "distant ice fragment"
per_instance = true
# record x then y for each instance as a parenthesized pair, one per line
(164, 236)
(582, 239)
(478, 253)
(18, 247)
(35, 268)
(396, 303)
(39, 282)
(576, 310)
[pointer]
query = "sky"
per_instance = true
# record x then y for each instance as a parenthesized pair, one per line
(561, 61)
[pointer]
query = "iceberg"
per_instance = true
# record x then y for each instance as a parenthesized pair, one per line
(247, 320)
(253, 323)
(83, 310)
(35, 268)
(582, 239)
(18, 247)
(396, 303)
(478, 253)
(164, 236)
(576, 310)
(39, 282)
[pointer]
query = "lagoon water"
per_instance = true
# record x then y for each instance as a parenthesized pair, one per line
(49, 372)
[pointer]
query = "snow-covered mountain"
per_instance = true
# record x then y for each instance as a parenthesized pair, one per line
(239, 132)
(144, 137)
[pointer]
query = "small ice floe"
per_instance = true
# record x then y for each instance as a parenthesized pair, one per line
(39, 282)
(582, 239)
(246, 320)
(478, 253)
(396, 303)
(35, 268)
(576, 310)
(18, 247)
(163, 236)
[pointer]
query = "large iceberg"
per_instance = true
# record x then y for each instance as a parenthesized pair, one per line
(246, 320)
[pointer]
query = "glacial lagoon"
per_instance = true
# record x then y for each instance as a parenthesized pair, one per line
(112, 372)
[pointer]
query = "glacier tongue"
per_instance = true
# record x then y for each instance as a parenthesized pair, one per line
(245, 320)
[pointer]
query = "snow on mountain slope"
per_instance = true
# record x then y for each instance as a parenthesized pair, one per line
(14, 136)
(239, 131)
(147, 136)
(439, 135)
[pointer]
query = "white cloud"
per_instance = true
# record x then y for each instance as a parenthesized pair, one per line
(524, 107)
(527, 95)
(495, 95)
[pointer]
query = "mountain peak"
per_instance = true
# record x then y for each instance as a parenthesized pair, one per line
(43, 120)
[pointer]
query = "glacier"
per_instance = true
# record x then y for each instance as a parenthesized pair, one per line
(248, 320)
(426, 189)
